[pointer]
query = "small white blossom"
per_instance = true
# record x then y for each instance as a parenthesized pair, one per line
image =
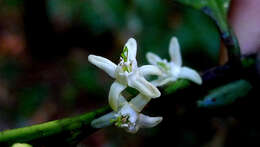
(172, 70)
(126, 118)
(127, 73)
(128, 115)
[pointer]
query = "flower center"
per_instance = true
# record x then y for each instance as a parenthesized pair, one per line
(126, 66)
(163, 66)
(124, 54)
(121, 120)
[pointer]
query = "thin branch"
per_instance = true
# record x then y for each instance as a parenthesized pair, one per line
(74, 128)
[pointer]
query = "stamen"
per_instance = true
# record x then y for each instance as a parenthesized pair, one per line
(120, 120)
(124, 54)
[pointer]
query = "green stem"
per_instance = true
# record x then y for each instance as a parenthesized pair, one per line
(232, 45)
(73, 127)
(227, 35)
(181, 84)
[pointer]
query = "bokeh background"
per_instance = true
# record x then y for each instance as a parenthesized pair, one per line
(45, 75)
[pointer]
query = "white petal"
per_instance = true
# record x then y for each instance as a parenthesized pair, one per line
(148, 122)
(150, 70)
(190, 74)
(103, 63)
(132, 49)
(144, 87)
(128, 110)
(132, 130)
(153, 58)
(103, 121)
(121, 76)
(163, 81)
(139, 102)
(174, 51)
(114, 95)
(122, 100)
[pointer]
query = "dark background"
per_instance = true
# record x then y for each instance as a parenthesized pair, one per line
(45, 75)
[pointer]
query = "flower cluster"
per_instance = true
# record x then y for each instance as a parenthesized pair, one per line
(127, 114)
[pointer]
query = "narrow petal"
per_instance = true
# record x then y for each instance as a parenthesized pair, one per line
(144, 87)
(114, 95)
(103, 121)
(132, 130)
(147, 121)
(163, 81)
(150, 70)
(103, 63)
(128, 110)
(132, 49)
(174, 51)
(153, 58)
(139, 102)
(190, 74)
(122, 100)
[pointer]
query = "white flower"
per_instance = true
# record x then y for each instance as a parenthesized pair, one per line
(172, 70)
(127, 73)
(126, 118)
(128, 115)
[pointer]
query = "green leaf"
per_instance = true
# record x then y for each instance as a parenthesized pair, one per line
(217, 9)
(226, 94)
(222, 5)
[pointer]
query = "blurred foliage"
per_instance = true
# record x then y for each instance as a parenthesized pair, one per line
(90, 13)
(145, 20)
(85, 78)
(11, 3)
(30, 98)
(217, 9)
(9, 69)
